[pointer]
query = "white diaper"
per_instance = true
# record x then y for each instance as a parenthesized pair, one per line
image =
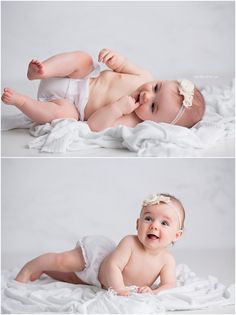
(75, 90)
(94, 249)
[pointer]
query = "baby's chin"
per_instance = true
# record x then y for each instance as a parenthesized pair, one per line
(138, 114)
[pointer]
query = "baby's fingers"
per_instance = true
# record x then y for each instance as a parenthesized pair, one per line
(144, 290)
(123, 293)
(103, 53)
(108, 58)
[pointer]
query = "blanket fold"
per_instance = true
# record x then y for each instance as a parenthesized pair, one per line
(49, 296)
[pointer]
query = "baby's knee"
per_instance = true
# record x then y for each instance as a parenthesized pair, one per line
(84, 65)
(84, 57)
(59, 261)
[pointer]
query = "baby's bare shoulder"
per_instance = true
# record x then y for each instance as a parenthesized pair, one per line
(168, 259)
(129, 240)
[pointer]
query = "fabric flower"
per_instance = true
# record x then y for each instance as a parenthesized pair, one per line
(155, 199)
(186, 88)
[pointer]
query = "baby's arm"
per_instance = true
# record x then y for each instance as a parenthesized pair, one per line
(113, 114)
(65, 262)
(113, 267)
(167, 277)
(119, 63)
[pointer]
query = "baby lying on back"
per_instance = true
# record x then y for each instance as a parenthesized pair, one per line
(72, 86)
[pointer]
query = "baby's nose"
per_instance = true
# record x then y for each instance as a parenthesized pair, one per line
(146, 97)
(153, 227)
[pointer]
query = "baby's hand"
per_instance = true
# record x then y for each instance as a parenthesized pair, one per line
(123, 292)
(112, 59)
(144, 290)
(127, 104)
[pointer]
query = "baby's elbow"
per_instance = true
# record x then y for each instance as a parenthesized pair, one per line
(170, 285)
(164, 287)
(94, 126)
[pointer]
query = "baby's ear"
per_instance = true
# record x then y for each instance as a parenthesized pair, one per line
(137, 224)
(178, 234)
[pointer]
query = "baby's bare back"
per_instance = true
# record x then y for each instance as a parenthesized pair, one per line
(108, 87)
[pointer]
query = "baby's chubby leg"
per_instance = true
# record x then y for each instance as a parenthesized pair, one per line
(67, 262)
(37, 111)
(75, 64)
(69, 277)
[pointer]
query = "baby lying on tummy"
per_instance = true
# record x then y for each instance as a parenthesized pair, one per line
(137, 260)
(72, 86)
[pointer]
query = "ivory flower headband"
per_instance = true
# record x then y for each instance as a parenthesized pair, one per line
(186, 88)
(157, 199)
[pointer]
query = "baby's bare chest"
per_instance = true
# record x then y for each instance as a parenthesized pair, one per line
(108, 88)
(141, 270)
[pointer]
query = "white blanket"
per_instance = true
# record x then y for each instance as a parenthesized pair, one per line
(146, 139)
(50, 296)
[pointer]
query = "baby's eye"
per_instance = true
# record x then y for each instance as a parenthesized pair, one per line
(155, 88)
(165, 223)
(152, 107)
(148, 219)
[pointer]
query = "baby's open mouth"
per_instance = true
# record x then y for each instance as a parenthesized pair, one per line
(152, 236)
(137, 98)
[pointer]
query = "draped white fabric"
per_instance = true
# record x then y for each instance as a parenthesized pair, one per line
(49, 296)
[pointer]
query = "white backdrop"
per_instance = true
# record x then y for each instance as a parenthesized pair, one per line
(172, 39)
(48, 203)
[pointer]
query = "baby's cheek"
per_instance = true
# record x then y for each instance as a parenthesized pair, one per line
(142, 112)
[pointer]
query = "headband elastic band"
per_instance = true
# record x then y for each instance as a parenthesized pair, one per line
(186, 88)
(179, 115)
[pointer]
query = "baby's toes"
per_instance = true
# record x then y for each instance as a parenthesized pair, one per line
(32, 62)
(38, 63)
(8, 91)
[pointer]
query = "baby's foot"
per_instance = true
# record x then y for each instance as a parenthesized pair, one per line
(35, 70)
(11, 97)
(23, 276)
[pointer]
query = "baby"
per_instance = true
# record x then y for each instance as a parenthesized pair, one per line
(137, 260)
(72, 86)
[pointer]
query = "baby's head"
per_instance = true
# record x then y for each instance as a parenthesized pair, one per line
(176, 102)
(161, 221)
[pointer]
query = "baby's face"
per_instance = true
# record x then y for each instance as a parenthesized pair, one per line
(157, 101)
(158, 226)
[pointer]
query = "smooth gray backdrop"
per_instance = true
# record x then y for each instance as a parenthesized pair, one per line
(48, 203)
(173, 39)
